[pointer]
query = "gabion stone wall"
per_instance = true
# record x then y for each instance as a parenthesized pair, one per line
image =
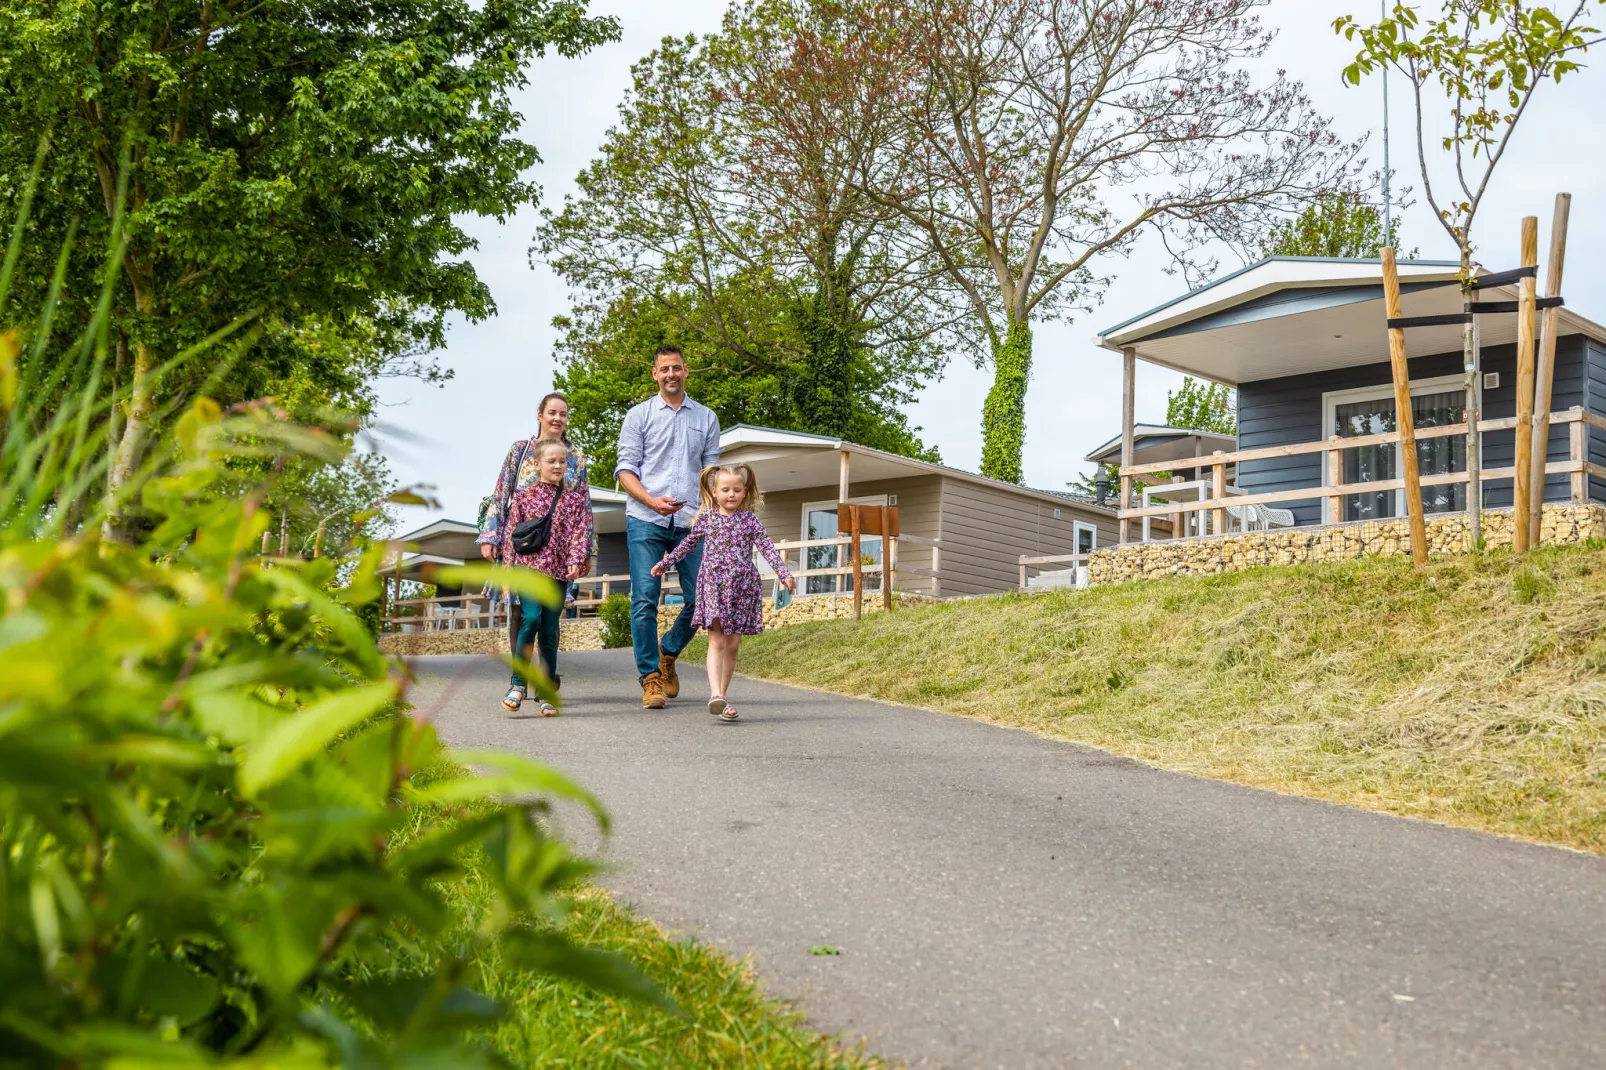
(1562, 523)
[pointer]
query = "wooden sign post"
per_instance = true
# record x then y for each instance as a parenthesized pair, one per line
(1547, 363)
(1402, 407)
(857, 521)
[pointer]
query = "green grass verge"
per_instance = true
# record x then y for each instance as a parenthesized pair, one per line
(1471, 692)
(729, 1021)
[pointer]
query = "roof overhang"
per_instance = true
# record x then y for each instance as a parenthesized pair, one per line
(1293, 316)
(786, 460)
(1151, 442)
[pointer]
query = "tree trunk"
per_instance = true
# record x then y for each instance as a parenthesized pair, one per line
(136, 420)
(1003, 417)
(1470, 362)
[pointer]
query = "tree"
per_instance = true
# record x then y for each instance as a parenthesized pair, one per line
(721, 208)
(302, 164)
(1339, 223)
(1018, 118)
(605, 363)
(1489, 58)
(1201, 406)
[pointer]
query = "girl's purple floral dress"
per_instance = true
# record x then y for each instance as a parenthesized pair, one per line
(729, 588)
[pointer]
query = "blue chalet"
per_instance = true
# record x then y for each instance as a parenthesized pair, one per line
(1304, 344)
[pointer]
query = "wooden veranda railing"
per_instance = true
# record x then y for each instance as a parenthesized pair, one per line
(475, 611)
(1577, 466)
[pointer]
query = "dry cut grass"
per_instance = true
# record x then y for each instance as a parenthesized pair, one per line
(1472, 692)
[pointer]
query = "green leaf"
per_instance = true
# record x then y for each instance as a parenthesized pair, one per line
(610, 974)
(308, 733)
(521, 581)
(510, 776)
(156, 986)
(236, 718)
(395, 1003)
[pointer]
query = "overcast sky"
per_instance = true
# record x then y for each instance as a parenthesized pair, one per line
(454, 436)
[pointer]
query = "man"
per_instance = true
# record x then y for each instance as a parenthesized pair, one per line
(664, 444)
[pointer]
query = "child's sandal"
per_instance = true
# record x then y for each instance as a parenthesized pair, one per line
(728, 714)
(716, 706)
(548, 710)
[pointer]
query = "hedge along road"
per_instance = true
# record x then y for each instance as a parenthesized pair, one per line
(1002, 900)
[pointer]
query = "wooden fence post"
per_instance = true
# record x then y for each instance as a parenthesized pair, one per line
(1403, 414)
(1335, 478)
(858, 565)
(1129, 385)
(936, 572)
(886, 560)
(1218, 490)
(1522, 493)
(1578, 450)
(1546, 371)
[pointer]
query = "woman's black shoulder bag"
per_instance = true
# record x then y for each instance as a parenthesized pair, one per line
(532, 536)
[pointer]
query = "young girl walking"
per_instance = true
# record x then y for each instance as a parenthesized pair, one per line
(730, 593)
(562, 557)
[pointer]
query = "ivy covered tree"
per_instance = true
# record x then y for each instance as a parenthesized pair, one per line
(302, 165)
(1016, 118)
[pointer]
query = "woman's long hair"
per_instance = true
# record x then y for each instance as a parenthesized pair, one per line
(541, 408)
(752, 498)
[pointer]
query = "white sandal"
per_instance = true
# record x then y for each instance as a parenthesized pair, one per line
(729, 714)
(716, 706)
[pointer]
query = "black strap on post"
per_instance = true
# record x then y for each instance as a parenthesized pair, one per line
(1430, 321)
(1500, 278)
(1479, 308)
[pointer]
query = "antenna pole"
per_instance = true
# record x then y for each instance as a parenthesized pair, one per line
(1388, 205)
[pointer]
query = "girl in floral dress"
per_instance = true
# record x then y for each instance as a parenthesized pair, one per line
(730, 593)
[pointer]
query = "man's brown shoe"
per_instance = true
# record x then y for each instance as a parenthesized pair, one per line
(652, 692)
(666, 669)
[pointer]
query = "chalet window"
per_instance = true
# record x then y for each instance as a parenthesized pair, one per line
(1371, 411)
(819, 522)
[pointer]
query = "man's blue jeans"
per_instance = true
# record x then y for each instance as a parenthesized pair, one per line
(648, 544)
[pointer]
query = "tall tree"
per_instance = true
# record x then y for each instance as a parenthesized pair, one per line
(1488, 59)
(303, 162)
(722, 206)
(1203, 406)
(1339, 223)
(1019, 118)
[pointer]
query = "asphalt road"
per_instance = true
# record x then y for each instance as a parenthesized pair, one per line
(1001, 900)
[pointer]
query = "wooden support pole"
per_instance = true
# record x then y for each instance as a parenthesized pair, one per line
(886, 560)
(889, 569)
(1546, 370)
(1522, 495)
(842, 480)
(1335, 477)
(1578, 450)
(936, 572)
(265, 536)
(1129, 386)
(1404, 417)
(1179, 519)
(858, 567)
(1023, 572)
(1218, 490)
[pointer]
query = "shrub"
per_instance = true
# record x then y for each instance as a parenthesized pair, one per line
(615, 614)
(218, 841)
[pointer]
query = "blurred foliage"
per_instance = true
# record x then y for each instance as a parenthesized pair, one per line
(223, 839)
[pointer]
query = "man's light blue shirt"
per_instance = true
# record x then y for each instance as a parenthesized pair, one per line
(667, 448)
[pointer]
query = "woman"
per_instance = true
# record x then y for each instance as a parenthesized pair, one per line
(518, 472)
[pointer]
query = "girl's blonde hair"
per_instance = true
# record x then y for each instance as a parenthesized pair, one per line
(539, 451)
(752, 498)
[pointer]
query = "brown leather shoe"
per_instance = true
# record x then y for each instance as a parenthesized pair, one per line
(652, 692)
(666, 669)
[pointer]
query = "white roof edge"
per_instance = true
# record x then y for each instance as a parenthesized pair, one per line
(769, 436)
(1257, 281)
(821, 443)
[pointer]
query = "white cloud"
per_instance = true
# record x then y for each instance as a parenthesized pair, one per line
(459, 433)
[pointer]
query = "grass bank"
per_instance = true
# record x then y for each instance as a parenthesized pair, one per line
(1472, 692)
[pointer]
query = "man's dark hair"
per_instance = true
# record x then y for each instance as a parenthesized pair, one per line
(665, 351)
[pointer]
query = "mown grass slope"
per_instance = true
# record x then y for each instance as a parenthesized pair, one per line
(1472, 692)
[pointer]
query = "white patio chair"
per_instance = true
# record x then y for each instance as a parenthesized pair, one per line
(1275, 518)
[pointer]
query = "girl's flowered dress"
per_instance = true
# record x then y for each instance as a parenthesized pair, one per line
(729, 588)
(519, 472)
(569, 543)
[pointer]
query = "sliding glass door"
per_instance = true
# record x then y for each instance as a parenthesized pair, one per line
(1372, 411)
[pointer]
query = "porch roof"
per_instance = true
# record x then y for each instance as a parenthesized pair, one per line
(795, 460)
(1294, 315)
(1157, 442)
